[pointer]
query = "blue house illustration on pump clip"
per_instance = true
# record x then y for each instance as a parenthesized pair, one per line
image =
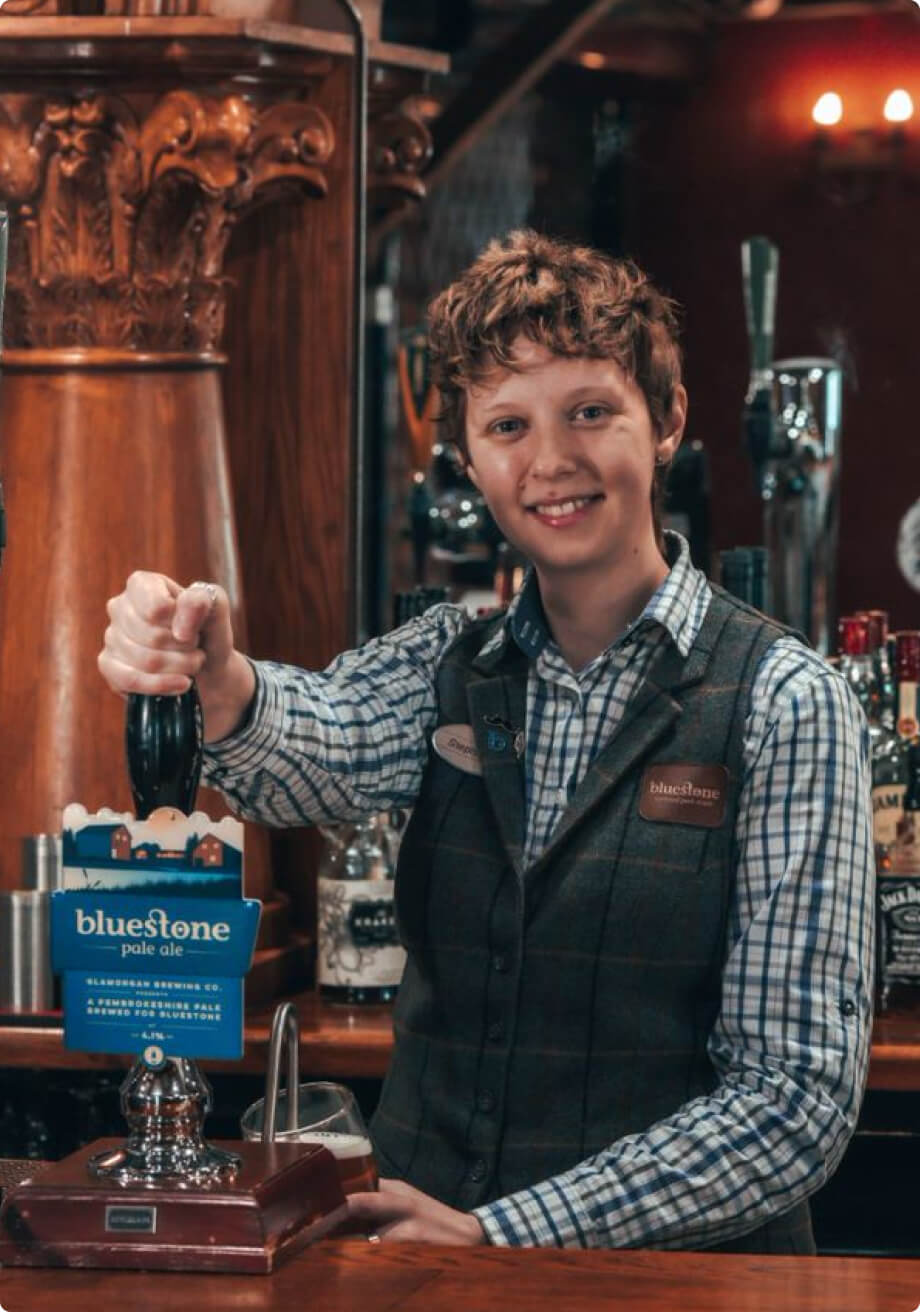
(107, 856)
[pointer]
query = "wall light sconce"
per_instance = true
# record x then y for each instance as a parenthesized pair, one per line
(840, 149)
(851, 161)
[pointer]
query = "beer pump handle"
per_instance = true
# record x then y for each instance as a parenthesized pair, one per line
(164, 743)
(760, 271)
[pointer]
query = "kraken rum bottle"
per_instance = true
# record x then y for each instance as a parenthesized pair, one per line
(899, 860)
(359, 958)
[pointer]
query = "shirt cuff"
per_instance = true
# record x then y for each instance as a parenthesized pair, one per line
(257, 738)
(550, 1215)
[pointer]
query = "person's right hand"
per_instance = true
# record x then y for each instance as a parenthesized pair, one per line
(161, 636)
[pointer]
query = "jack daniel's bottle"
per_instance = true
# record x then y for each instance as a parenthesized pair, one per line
(359, 958)
(899, 892)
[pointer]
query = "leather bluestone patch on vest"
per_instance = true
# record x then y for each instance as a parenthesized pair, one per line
(456, 744)
(684, 794)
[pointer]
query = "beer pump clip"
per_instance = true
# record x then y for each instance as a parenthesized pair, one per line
(160, 967)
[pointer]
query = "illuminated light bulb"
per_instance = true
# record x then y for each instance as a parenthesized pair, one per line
(828, 109)
(899, 107)
(594, 58)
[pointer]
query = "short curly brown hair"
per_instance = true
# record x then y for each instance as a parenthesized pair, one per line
(571, 299)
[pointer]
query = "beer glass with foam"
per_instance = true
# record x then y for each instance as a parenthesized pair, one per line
(327, 1114)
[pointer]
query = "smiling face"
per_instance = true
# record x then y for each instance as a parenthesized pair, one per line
(563, 449)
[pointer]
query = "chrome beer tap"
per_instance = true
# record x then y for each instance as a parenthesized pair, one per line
(792, 428)
(165, 1099)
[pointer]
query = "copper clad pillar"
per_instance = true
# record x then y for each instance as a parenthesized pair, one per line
(122, 192)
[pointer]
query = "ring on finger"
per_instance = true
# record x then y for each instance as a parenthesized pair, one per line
(210, 588)
(373, 1238)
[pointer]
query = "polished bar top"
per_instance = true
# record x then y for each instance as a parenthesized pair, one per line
(355, 1043)
(353, 1276)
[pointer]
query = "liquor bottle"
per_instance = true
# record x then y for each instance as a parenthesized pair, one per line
(889, 750)
(854, 661)
(884, 674)
(686, 507)
(905, 856)
(359, 956)
(164, 739)
(898, 916)
(907, 664)
(760, 579)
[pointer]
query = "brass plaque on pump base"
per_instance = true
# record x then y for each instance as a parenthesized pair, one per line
(284, 1196)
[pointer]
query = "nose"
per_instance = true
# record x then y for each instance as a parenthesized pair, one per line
(552, 450)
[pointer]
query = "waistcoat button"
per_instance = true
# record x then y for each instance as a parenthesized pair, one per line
(496, 1031)
(478, 1170)
(500, 962)
(486, 1100)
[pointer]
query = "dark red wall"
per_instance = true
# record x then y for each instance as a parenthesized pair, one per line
(736, 158)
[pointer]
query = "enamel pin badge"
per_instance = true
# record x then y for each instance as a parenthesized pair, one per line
(500, 734)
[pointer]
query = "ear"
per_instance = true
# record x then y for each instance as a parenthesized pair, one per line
(673, 428)
(471, 472)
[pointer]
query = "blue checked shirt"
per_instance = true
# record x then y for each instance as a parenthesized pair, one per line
(791, 1043)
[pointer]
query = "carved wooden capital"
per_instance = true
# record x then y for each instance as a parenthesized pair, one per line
(400, 149)
(121, 209)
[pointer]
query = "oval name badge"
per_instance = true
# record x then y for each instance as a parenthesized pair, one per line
(455, 744)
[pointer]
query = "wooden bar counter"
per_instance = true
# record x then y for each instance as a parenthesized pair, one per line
(353, 1276)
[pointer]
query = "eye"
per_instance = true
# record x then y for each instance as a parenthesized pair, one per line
(506, 427)
(592, 412)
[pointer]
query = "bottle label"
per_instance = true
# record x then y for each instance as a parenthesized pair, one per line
(905, 855)
(899, 927)
(887, 809)
(907, 710)
(357, 941)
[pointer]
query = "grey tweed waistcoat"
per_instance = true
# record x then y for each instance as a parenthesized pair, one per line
(546, 1012)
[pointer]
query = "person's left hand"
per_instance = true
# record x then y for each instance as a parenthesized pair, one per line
(397, 1211)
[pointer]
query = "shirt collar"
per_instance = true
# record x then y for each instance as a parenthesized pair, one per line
(678, 605)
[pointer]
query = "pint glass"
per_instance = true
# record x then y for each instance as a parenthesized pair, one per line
(327, 1114)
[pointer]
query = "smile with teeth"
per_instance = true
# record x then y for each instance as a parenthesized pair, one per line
(557, 509)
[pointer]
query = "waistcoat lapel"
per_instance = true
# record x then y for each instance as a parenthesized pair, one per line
(652, 713)
(498, 707)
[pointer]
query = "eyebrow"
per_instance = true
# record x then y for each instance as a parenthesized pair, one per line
(600, 390)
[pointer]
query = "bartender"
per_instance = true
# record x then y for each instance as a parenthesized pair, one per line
(636, 890)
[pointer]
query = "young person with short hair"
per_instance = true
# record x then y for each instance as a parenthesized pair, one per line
(638, 898)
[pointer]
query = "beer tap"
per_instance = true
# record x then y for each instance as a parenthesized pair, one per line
(165, 1099)
(760, 269)
(792, 419)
